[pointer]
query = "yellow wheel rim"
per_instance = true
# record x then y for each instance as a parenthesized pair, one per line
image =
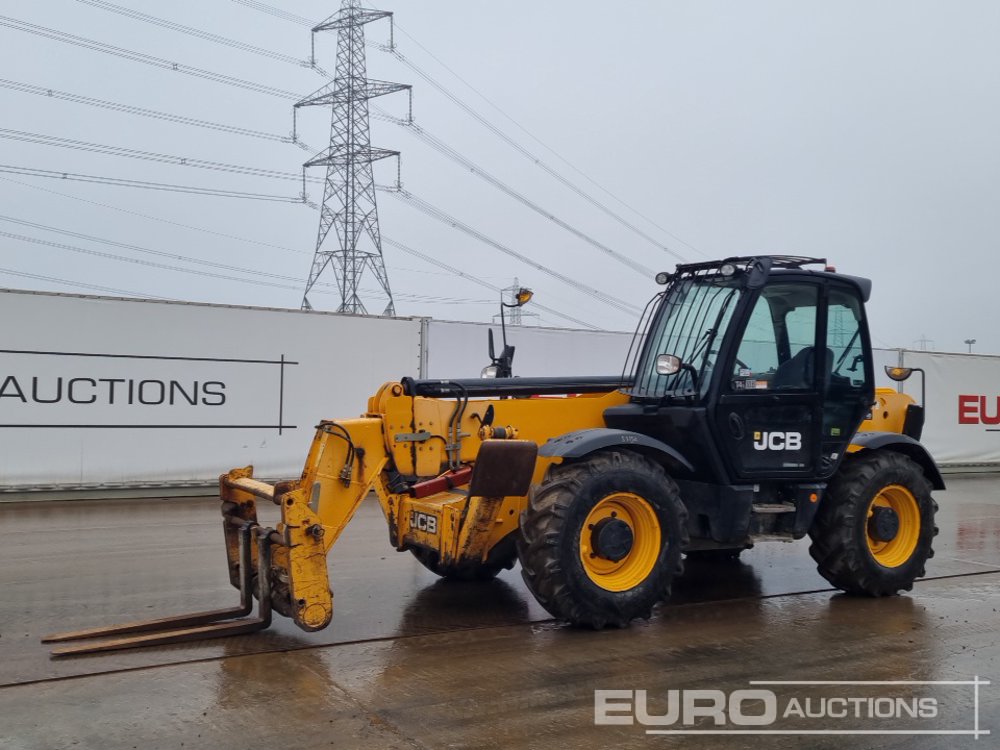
(897, 551)
(640, 560)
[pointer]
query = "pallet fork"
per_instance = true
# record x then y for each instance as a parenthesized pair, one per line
(195, 625)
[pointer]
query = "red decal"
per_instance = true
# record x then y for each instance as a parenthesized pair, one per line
(968, 408)
(986, 418)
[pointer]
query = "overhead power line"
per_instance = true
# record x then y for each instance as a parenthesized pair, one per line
(187, 259)
(27, 88)
(204, 230)
(420, 132)
(148, 251)
(544, 145)
(486, 123)
(195, 32)
(393, 50)
(276, 12)
(294, 286)
(423, 134)
(440, 264)
(260, 88)
(159, 219)
(415, 253)
(132, 153)
(119, 182)
(138, 261)
(181, 161)
(141, 57)
(442, 216)
(419, 203)
(422, 205)
(165, 266)
(443, 148)
(80, 284)
(208, 36)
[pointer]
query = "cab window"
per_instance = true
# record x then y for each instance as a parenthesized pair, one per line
(777, 350)
(843, 339)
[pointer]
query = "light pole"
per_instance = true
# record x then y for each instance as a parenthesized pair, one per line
(970, 342)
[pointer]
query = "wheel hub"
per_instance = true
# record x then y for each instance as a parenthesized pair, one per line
(883, 524)
(620, 541)
(611, 538)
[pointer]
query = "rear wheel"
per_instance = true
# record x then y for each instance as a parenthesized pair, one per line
(601, 539)
(874, 528)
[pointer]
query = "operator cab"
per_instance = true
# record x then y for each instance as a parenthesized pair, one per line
(755, 368)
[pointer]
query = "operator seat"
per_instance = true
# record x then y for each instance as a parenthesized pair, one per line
(797, 371)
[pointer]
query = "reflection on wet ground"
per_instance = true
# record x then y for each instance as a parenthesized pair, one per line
(413, 661)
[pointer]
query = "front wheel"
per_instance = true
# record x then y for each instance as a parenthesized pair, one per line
(601, 539)
(874, 528)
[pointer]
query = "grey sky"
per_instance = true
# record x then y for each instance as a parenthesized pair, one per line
(862, 132)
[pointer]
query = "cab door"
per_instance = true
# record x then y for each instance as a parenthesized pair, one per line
(849, 387)
(769, 414)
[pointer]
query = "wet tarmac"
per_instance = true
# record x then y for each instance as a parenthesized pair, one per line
(410, 661)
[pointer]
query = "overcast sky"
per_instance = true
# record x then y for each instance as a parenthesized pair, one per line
(862, 132)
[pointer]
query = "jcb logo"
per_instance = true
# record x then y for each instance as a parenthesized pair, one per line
(423, 522)
(777, 441)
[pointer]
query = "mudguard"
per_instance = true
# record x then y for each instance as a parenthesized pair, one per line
(580, 443)
(901, 444)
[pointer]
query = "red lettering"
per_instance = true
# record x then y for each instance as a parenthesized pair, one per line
(986, 418)
(968, 407)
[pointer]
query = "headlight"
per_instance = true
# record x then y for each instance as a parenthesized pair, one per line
(489, 372)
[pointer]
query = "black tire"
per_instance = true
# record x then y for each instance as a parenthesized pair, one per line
(840, 542)
(551, 528)
(486, 571)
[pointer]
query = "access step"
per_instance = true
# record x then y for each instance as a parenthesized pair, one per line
(773, 508)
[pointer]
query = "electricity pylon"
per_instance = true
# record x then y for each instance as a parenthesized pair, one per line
(349, 203)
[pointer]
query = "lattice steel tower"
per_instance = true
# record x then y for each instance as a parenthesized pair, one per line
(349, 203)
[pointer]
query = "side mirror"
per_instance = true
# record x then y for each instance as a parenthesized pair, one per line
(503, 366)
(668, 364)
(899, 374)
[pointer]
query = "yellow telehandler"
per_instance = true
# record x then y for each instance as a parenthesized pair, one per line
(746, 412)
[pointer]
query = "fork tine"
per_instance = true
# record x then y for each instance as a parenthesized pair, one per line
(215, 630)
(194, 625)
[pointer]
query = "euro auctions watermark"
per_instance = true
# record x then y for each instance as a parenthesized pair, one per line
(802, 707)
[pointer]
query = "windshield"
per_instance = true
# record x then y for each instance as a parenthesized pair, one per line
(690, 325)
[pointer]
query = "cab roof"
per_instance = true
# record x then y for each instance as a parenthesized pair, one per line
(760, 267)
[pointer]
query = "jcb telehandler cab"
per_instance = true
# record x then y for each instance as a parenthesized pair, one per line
(747, 413)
